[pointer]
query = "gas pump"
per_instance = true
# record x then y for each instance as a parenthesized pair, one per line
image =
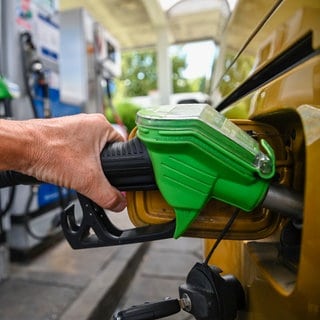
(57, 77)
(31, 58)
(107, 55)
(89, 62)
(7, 92)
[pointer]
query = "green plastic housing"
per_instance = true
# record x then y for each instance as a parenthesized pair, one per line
(198, 154)
(8, 90)
(4, 90)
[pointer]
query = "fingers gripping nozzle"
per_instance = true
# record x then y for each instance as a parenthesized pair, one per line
(128, 167)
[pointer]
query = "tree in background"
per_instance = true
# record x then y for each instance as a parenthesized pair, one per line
(179, 83)
(139, 74)
(139, 77)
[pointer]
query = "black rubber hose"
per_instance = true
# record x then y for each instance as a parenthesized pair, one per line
(26, 41)
(13, 178)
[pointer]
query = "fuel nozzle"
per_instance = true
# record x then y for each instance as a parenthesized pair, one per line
(198, 154)
(191, 154)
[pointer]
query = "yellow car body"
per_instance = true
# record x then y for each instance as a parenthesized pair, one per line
(287, 97)
(267, 79)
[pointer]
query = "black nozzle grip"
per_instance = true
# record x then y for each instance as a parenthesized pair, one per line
(127, 165)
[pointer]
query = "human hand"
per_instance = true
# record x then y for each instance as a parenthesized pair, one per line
(66, 151)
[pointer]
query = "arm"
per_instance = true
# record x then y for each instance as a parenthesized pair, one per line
(64, 151)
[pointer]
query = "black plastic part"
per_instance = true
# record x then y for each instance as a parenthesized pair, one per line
(126, 165)
(96, 229)
(149, 310)
(13, 178)
(212, 296)
(290, 245)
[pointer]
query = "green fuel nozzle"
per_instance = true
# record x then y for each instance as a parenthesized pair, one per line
(198, 154)
(191, 153)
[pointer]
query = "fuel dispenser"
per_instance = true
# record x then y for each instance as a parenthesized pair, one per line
(90, 56)
(57, 77)
(8, 90)
(31, 58)
(90, 63)
(107, 69)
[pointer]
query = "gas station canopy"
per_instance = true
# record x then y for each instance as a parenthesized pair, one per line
(159, 24)
(135, 23)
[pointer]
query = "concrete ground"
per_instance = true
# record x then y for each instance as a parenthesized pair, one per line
(67, 284)
(164, 268)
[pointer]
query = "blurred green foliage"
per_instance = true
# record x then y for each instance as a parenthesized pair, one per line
(139, 74)
(127, 113)
(139, 78)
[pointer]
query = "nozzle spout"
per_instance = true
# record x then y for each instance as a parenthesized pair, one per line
(285, 201)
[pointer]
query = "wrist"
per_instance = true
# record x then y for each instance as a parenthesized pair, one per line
(17, 145)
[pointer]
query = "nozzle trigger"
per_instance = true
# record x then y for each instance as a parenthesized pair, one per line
(96, 230)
